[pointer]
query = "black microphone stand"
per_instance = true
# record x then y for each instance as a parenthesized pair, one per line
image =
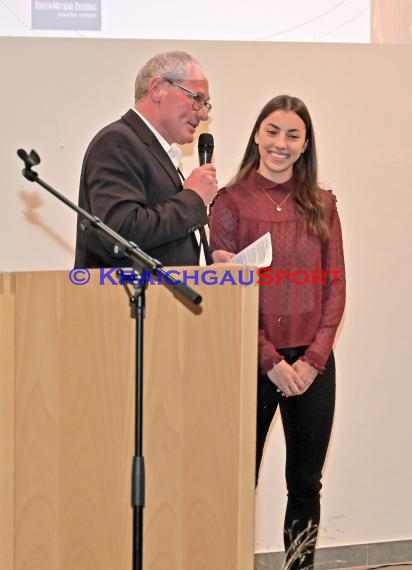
(137, 304)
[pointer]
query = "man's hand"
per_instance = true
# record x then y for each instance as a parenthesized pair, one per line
(202, 180)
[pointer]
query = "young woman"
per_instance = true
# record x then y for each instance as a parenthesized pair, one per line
(302, 298)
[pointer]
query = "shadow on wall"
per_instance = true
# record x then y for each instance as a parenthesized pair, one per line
(32, 203)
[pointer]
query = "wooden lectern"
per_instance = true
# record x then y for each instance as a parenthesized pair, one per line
(67, 416)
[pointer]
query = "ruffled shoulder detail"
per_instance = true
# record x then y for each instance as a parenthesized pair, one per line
(333, 196)
(329, 203)
(328, 195)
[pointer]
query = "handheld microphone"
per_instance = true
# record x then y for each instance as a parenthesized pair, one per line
(205, 148)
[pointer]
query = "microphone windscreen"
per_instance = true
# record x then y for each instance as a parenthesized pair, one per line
(206, 139)
(205, 148)
(22, 154)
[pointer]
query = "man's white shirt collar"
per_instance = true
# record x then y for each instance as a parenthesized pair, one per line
(173, 151)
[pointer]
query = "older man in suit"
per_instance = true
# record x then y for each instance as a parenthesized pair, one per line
(130, 178)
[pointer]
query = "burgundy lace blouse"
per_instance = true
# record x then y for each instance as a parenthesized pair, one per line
(302, 295)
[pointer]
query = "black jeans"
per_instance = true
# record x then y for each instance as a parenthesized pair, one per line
(307, 423)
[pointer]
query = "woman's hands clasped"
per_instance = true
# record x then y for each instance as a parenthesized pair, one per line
(292, 380)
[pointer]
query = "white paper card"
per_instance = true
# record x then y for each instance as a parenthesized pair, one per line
(258, 253)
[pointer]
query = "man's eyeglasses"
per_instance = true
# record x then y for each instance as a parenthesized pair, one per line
(198, 100)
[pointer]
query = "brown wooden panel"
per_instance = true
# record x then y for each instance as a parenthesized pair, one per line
(201, 429)
(74, 426)
(7, 399)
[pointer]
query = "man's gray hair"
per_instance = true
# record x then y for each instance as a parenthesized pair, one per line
(171, 65)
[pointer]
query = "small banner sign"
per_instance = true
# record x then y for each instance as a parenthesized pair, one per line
(68, 15)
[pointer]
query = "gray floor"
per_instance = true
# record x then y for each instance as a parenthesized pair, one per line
(403, 566)
(395, 555)
(265, 565)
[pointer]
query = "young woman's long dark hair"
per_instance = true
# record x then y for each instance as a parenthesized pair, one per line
(308, 195)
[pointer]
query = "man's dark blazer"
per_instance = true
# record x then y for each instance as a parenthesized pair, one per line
(130, 183)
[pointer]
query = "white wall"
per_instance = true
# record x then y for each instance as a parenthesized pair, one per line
(56, 93)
